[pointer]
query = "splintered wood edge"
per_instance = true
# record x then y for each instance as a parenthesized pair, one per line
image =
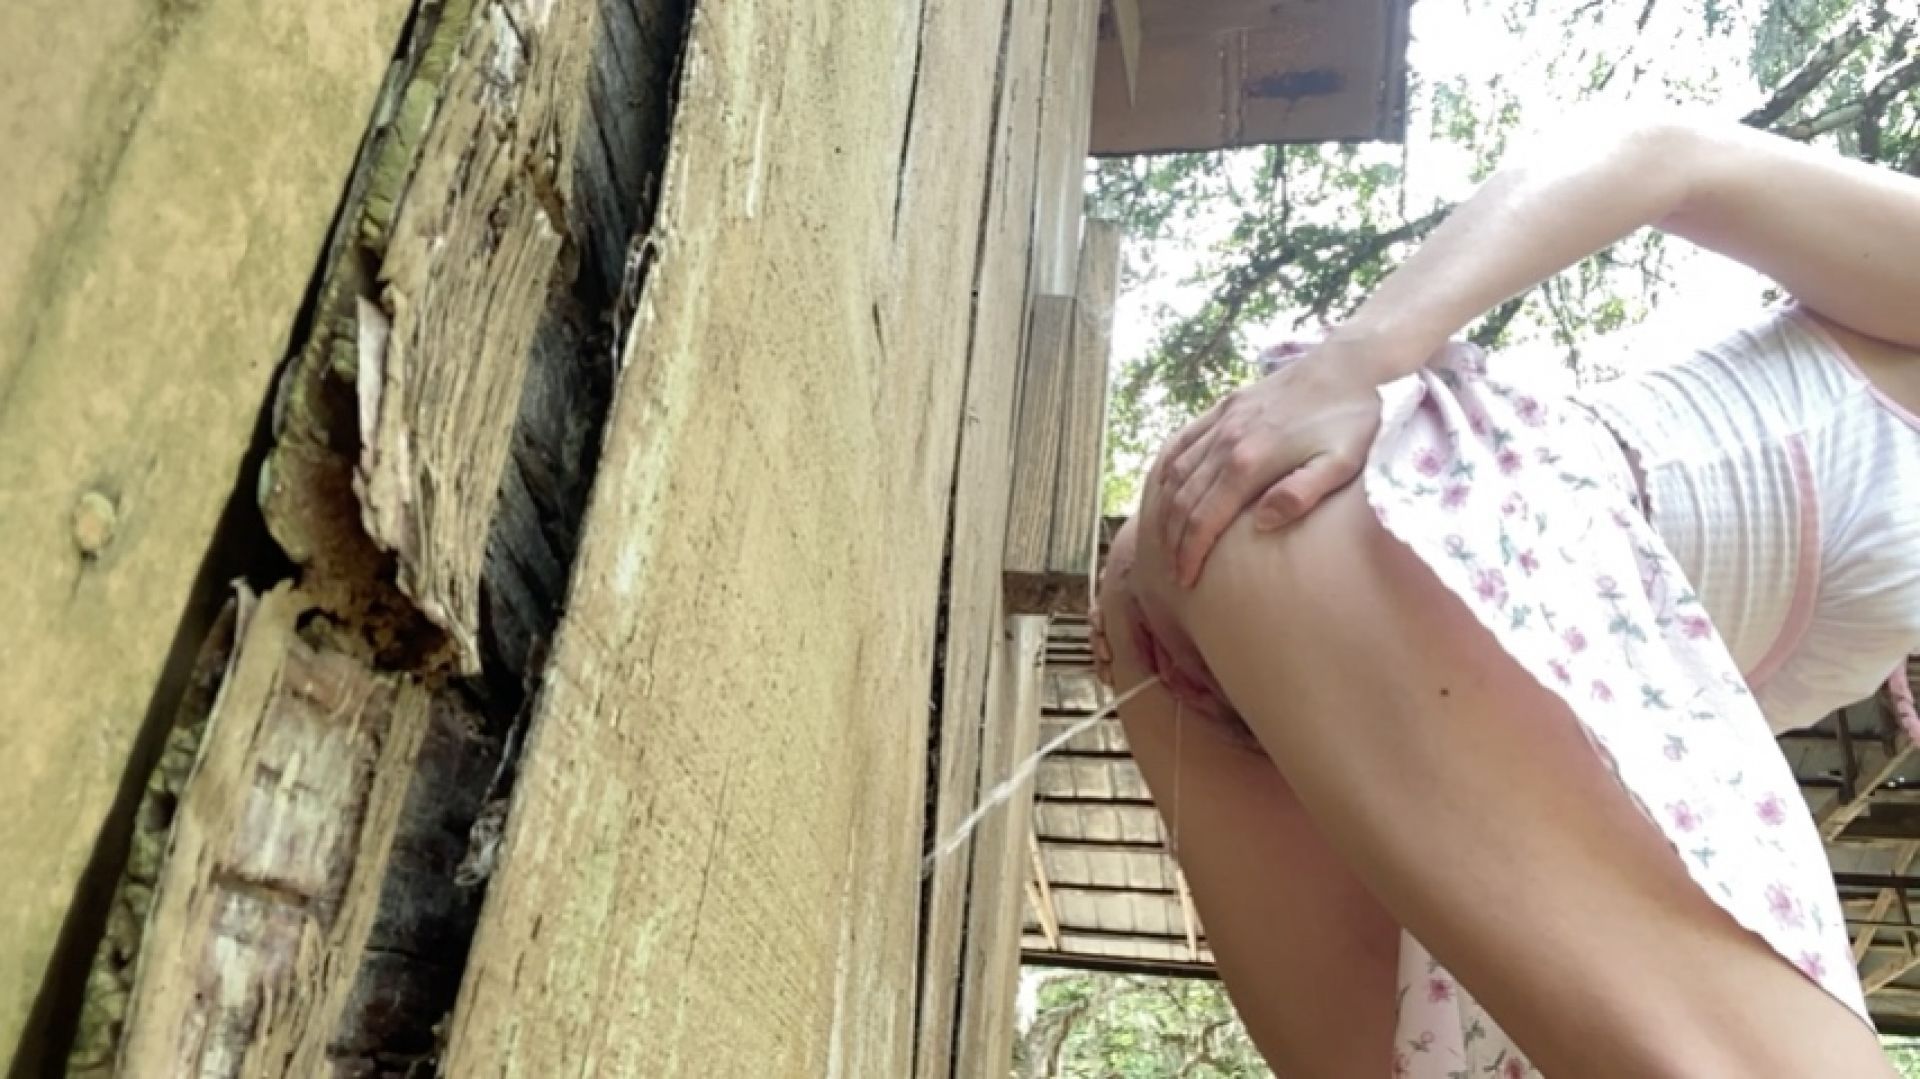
(466, 276)
(275, 872)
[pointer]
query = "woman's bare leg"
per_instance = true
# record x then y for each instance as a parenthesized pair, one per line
(1468, 800)
(1307, 954)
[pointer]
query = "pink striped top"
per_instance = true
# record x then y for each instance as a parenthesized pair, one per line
(1785, 484)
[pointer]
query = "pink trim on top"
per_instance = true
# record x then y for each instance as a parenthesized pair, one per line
(1900, 694)
(1806, 569)
(1824, 337)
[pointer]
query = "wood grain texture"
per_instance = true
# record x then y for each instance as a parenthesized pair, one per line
(568, 388)
(170, 173)
(711, 863)
(1071, 541)
(1125, 16)
(1066, 119)
(308, 879)
(991, 967)
(1030, 584)
(981, 481)
(1248, 72)
(109, 988)
(463, 280)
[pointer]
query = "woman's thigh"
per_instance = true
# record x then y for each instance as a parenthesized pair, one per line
(1307, 954)
(1468, 799)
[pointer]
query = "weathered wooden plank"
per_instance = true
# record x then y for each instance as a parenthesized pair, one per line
(463, 284)
(1072, 540)
(300, 919)
(1066, 119)
(1241, 73)
(1041, 896)
(569, 379)
(1125, 17)
(981, 482)
(712, 859)
(170, 174)
(109, 986)
(1030, 586)
(992, 962)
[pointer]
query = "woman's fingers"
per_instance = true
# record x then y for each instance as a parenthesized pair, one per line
(1224, 485)
(1176, 453)
(1301, 490)
(1193, 453)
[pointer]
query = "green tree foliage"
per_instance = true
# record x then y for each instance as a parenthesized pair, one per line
(1232, 249)
(1904, 1053)
(1101, 1026)
(1109, 1026)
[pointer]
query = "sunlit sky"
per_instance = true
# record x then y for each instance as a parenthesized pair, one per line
(1470, 41)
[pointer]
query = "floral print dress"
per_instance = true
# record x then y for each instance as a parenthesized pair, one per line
(1526, 508)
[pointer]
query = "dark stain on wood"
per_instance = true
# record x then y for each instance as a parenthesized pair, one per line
(569, 385)
(1294, 85)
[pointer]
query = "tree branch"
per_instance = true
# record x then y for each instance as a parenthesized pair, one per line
(1487, 334)
(1814, 71)
(1199, 342)
(1869, 105)
(1371, 247)
(1203, 1049)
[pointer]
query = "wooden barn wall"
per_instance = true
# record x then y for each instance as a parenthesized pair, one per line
(686, 776)
(712, 862)
(170, 172)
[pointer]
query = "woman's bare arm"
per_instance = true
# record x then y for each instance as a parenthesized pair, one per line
(1843, 237)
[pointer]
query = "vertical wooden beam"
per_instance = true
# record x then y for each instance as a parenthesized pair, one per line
(1031, 587)
(695, 780)
(981, 481)
(96, 1042)
(1072, 546)
(1066, 125)
(992, 962)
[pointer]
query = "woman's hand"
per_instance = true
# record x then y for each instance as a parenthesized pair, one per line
(1285, 443)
